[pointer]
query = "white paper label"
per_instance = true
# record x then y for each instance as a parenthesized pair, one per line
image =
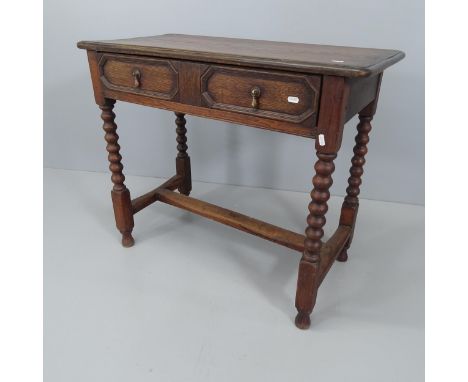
(321, 138)
(292, 99)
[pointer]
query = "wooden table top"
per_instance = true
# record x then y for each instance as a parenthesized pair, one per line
(308, 58)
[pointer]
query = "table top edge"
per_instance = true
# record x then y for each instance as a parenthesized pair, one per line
(245, 60)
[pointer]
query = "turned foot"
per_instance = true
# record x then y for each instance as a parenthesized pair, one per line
(350, 206)
(121, 200)
(302, 320)
(343, 256)
(309, 266)
(127, 239)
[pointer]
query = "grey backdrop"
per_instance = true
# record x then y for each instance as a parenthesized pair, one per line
(222, 152)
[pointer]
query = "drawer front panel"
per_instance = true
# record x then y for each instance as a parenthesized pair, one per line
(139, 75)
(284, 97)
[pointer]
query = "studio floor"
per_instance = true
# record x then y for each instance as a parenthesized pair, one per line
(194, 300)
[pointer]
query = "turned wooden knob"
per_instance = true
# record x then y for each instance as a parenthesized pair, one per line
(255, 92)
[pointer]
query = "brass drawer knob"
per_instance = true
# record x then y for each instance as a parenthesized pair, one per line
(255, 92)
(136, 78)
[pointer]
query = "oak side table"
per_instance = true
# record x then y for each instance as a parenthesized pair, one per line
(302, 89)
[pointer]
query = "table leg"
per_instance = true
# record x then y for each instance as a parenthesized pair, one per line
(120, 194)
(309, 266)
(183, 160)
(349, 209)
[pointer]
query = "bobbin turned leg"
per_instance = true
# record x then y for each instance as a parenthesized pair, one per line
(183, 160)
(349, 209)
(120, 194)
(309, 266)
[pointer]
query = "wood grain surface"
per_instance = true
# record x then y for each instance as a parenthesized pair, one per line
(309, 58)
(301, 89)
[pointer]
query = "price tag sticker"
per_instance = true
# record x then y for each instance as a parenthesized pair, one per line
(321, 138)
(292, 99)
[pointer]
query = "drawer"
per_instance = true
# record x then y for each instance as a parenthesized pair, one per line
(268, 94)
(140, 75)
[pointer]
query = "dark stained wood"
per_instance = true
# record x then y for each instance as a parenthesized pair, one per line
(189, 75)
(362, 91)
(285, 97)
(348, 218)
(309, 266)
(301, 89)
(120, 194)
(164, 193)
(93, 61)
(351, 203)
(222, 115)
(306, 58)
(234, 219)
(333, 102)
(369, 110)
(152, 196)
(350, 207)
(331, 249)
(183, 160)
(147, 76)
